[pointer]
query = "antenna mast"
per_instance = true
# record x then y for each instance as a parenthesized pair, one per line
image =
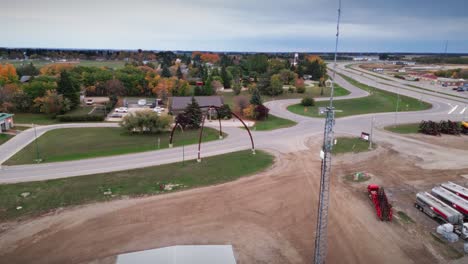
(324, 195)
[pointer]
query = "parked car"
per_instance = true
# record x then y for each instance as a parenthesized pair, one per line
(462, 89)
(158, 109)
(89, 101)
(121, 110)
(142, 102)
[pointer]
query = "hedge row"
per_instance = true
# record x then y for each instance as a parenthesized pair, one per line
(80, 118)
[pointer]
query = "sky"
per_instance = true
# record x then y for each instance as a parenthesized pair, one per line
(237, 25)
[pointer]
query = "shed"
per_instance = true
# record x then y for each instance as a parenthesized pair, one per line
(6, 122)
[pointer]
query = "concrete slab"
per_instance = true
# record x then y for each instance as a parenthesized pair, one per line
(205, 254)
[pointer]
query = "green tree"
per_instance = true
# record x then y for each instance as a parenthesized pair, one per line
(193, 114)
(165, 72)
(227, 78)
(145, 122)
(69, 88)
(27, 70)
(256, 98)
(276, 85)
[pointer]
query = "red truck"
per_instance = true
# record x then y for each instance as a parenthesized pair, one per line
(382, 207)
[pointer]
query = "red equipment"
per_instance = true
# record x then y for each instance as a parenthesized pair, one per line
(382, 207)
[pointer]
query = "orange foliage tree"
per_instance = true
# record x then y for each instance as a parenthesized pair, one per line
(8, 74)
(56, 68)
(206, 57)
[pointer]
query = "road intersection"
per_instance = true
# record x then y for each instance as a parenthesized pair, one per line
(282, 140)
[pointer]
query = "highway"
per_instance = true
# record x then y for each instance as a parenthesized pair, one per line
(282, 140)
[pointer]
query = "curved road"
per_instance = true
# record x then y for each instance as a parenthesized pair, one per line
(283, 140)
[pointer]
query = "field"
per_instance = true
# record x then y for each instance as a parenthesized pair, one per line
(82, 143)
(378, 101)
(404, 128)
(4, 138)
(273, 122)
(29, 118)
(277, 207)
(88, 63)
(346, 145)
(52, 194)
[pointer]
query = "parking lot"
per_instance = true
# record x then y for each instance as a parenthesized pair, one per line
(131, 105)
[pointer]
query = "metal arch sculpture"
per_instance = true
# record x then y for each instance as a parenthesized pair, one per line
(220, 130)
(220, 127)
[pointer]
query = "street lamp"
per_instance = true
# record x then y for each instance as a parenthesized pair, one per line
(38, 159)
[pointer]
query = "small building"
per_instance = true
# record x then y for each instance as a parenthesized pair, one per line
(178, 103)
(6, 122)
(450, 81)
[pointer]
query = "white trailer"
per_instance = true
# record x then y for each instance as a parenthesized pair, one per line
(452, 199)
(437, 209)
(457, 189)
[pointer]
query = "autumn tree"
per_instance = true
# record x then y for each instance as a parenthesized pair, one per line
(52, 103)
(8, 74)
(56, 68)
(114, 87)
(7, 94)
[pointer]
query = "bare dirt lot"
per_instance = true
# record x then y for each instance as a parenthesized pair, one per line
(268, 218)
(449, 141)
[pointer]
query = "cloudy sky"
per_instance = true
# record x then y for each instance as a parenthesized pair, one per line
(236, 25)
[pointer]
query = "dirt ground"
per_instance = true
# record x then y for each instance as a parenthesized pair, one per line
(449, 141)
(268, 217)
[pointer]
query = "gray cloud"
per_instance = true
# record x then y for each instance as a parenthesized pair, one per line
(226, 25)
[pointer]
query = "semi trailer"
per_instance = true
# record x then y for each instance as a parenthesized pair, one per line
(437, 209)
(457, 189)
(458, 203)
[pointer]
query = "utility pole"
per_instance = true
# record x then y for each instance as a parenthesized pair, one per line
(397, 105)
(320, 253)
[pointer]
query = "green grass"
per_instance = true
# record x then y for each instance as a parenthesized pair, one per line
(273, 122)
(52, 194)
(81, 143)
(311, 91)
(346, 145)
(21, 128)
(4, 138)
(405, 218)
(404, 128)
(38, 119)
(378, 101)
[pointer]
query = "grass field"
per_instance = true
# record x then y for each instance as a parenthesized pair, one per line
(51, 194)
(82, 143)
(4, 138)
(378, 101)
(311, 91)
(29, 118)
(346, 145)
(404, 128)
(87, 63)
(273, 122)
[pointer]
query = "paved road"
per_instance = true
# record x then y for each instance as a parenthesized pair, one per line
(283, 140)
